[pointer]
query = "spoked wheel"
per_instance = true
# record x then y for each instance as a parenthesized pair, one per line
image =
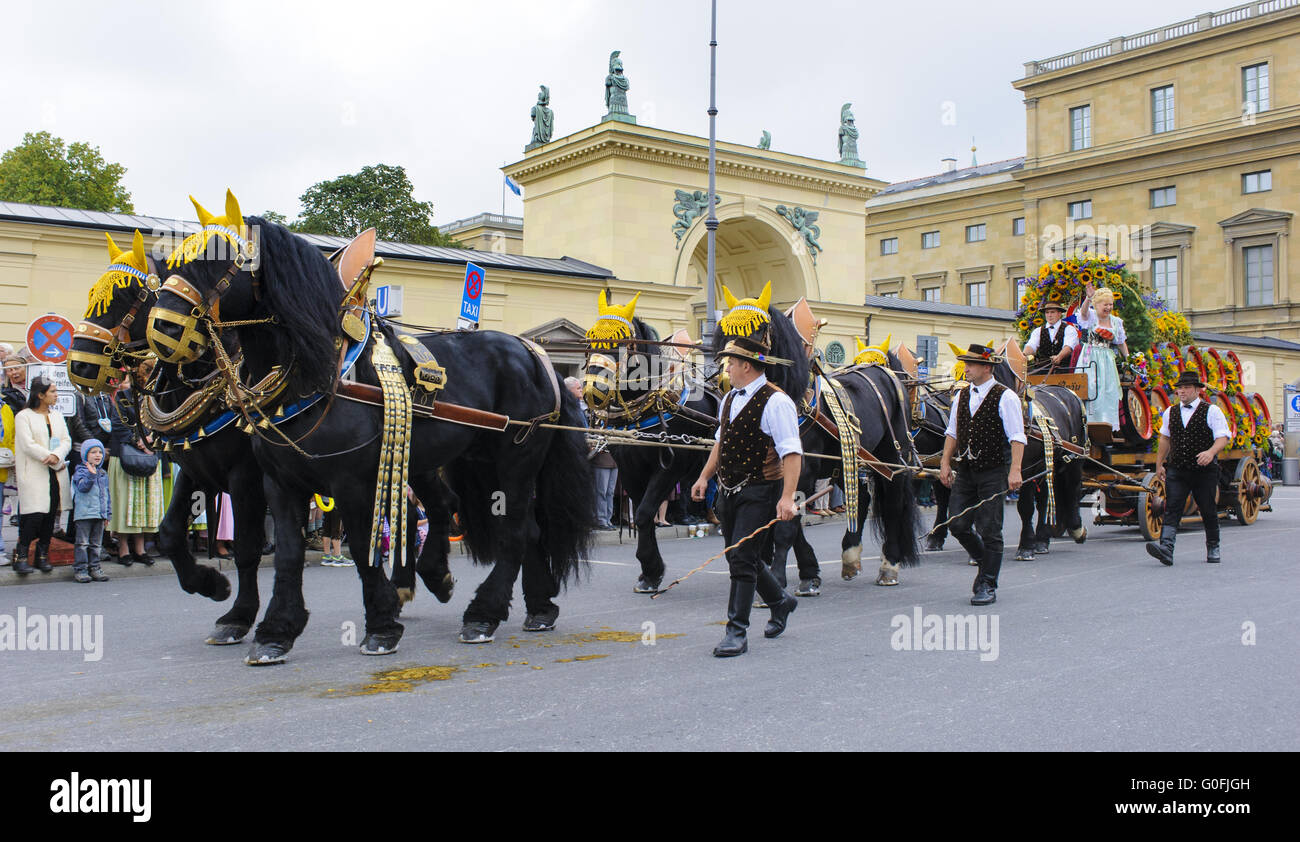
(1251, 491)
(1151, 509)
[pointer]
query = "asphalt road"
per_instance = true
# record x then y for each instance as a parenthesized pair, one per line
(1099, 647)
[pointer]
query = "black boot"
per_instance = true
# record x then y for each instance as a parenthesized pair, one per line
(734, 643)
(43, 558)
(1164, 551)
(1212, 553)
(19, 560)
(782, 604)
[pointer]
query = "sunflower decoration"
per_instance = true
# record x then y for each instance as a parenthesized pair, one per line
(1261, 429)
(1213, 373)
(1063, 282)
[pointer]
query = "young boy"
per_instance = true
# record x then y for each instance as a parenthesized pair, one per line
(91, 509)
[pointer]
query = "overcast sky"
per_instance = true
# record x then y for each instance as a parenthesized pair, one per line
(270, 97)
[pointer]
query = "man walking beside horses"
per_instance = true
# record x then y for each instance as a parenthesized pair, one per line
(986, 433)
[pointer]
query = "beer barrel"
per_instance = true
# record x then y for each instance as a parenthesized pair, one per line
(1224, 403)
(1136, 421)
(1159, 403)
(1193, 360)
(1245, 415)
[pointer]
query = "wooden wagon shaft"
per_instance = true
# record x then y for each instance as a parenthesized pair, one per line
(441, 410)
(863, 454)
(1109, 487)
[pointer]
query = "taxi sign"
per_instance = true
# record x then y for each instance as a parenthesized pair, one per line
(471, 299)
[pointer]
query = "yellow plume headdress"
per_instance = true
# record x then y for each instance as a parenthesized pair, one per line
(872, 354)
(128, 268)
(230, 227)
(748, 315)
(614, 322)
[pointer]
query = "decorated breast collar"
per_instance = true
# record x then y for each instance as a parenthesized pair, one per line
(302, 405)
(661, 417)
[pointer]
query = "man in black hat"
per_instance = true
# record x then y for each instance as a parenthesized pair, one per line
(1187, 460)
(986, 433)
(1050, 345)
(756, 456)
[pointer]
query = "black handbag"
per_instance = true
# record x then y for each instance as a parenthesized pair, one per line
(136, 462)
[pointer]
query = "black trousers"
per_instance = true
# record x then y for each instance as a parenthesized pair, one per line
(984, 540)
(39, 526)
(1201, 484)
(740, 514)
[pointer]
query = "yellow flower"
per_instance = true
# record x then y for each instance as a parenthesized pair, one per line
(1058, 267)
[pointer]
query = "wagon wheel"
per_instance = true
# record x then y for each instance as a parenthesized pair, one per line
(1250, 491)
(1151, 508)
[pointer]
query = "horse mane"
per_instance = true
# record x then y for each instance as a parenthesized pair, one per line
(302, 289)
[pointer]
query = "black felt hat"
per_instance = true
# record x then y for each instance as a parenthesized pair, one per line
(1189, 378)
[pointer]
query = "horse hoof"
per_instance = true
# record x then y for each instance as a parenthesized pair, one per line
(1079, 535)
(1042, 548)
(933, 545)
(380, 644)
(888, 574)
(443, 592)
(227, 634)
(267, 654)
(405, 595)
(479, 631)
(850, 563)
(543, 620)
(1025, 555)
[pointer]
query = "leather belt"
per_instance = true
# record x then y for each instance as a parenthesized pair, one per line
(442, 411)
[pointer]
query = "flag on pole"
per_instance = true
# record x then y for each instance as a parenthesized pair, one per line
(514, 188)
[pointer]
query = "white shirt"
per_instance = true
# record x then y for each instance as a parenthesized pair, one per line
(1071, 336)
(1013, 423)
(1215, 418)
(780, 418)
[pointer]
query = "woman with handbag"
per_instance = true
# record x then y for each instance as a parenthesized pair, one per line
(134, 479)
(42, 445)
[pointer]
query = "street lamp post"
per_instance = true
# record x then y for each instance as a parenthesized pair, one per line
(711, 222)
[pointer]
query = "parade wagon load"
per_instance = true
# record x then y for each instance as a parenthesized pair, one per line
(1148, 347)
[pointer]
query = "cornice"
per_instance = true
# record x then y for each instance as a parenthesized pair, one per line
(611, 143)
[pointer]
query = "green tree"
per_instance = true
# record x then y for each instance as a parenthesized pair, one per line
(381, 196)
(43, 171)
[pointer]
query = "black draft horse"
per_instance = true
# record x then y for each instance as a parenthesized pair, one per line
(882, 413)
(928, 434)
(1065, 411)
(219, 461)
(525, 494)
(649, 474)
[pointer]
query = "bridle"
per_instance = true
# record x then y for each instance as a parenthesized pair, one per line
(116, 342)
(192, 340)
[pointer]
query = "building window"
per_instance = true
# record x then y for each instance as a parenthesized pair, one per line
(1259, 275)
(977, 295)
(1081, 210)
(932, 294)
(1164, 277)
(976, 233)
(1018, 287)
(1257, 182)
(889, 246)
(930, 240)
(893, 294)
(1163, 197)
(1162, 109)
(1254, 88)
(1080, 127)
(1018, 227)
(927, 351)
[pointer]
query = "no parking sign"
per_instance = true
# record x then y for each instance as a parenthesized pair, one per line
(471, 300)
(49, 337)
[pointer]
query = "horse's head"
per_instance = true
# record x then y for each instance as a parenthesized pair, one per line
(111, 337)
(756, 318)
(613, 364)
(873, 354)
(210, 274)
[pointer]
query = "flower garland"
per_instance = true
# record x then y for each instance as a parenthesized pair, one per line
(1063, 282)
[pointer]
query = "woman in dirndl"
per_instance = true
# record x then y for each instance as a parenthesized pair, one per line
(1104, 332)
(137, 501)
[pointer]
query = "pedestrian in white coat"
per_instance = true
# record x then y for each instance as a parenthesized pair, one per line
(41, 450)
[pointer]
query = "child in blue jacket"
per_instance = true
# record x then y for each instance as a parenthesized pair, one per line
(91, 509)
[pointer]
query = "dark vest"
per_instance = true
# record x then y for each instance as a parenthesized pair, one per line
(1048, 349)
(982, 443)
(1186, 442)
(746, 453)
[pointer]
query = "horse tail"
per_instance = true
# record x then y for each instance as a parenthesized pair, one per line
(566, 495)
